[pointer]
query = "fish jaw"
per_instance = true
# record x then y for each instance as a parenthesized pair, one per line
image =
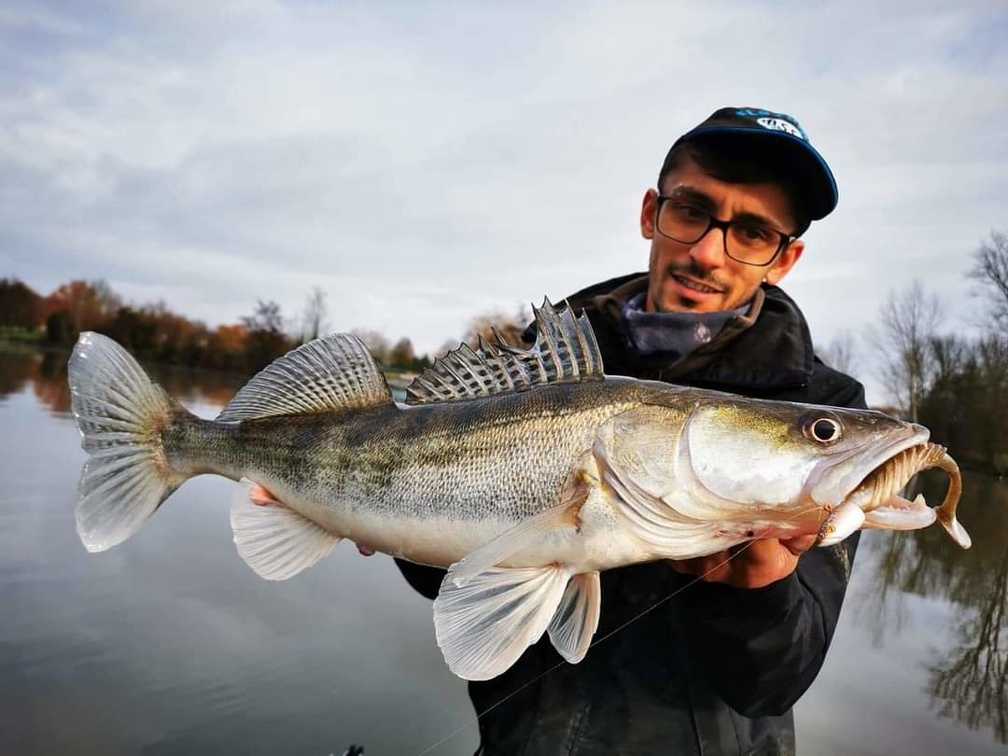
(885, 508)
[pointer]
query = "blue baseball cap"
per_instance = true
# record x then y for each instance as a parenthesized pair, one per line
(805, 164)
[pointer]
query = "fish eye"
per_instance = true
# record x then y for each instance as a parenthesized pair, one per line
(823, 430)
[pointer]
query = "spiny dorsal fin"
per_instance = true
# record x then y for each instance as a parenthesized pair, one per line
(335, 372)
(565, 351)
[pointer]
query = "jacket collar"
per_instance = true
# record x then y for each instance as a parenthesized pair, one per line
(769, 347)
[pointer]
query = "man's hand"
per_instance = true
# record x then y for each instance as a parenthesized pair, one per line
(750, 565)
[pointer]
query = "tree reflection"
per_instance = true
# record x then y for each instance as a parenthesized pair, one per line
(47, 373)
(16, 368)
(970, 681)
(50, 384)
(971, 684)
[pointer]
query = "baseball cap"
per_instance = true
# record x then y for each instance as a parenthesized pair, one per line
(808, 167)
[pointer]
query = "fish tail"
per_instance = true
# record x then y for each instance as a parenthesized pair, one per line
(120, 413)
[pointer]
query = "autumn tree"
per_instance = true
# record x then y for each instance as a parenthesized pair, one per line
(266, 339)
(510, 327)
(990, 271)
(402, 355)
(20, 305)
(78, 306)
(226, 347)
(908, 326)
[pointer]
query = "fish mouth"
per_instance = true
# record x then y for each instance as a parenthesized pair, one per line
(879, 494)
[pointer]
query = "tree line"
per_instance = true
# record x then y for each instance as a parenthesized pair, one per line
(154, 333)
(949, 377)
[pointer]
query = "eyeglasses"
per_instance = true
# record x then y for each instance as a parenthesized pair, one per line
(744, 241)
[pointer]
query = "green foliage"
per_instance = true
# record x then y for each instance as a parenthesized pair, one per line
(21, 335)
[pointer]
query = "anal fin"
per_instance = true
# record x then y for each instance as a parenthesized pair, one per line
(273, 539)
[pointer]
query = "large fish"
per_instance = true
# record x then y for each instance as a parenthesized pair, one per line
(526, 471)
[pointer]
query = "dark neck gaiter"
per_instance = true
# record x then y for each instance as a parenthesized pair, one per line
(667, 337)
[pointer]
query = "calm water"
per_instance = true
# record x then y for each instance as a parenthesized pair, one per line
(169, 644)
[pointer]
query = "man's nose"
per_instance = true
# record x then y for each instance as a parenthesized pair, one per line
(709, 250)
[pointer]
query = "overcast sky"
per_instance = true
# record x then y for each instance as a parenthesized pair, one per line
(425, 161)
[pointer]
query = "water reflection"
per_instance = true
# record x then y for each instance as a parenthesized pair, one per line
(17, 367)
(968, 674)
(46, 371)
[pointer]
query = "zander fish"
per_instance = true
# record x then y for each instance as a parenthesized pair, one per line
(525, 471)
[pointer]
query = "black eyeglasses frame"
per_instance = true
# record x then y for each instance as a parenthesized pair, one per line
(712, 222)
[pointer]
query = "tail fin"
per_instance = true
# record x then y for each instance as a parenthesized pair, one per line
(119, 412)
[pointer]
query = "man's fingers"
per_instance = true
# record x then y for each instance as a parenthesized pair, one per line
(799, 545)
(753, 564)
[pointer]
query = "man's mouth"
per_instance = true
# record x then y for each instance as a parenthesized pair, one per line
(695, 285)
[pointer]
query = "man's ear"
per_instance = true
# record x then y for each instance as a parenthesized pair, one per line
(784, 262)
(647, 213)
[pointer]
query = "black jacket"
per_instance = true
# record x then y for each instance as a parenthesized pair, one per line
(713, 669)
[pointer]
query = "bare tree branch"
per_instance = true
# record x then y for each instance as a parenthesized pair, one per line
(314, 319)
(990, 270)
(840, 353)
(908, 327)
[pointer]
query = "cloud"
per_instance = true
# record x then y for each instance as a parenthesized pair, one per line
(424, 165)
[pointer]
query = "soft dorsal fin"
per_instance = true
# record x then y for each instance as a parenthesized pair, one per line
(565, 351)
(335, 372)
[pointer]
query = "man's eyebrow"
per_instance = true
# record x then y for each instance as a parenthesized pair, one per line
(759, 220)
(707, 202)
(695, 195)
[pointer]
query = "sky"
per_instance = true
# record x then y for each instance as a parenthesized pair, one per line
(422, 163)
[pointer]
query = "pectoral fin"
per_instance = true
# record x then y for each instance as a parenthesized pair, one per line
(576, 619)
(273, 539)
(487, 622)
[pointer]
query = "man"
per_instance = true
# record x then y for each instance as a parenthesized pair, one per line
(702, 656)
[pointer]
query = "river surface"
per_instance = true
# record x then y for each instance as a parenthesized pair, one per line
(169, 644)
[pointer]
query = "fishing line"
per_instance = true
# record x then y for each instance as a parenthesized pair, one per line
(594, 643)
